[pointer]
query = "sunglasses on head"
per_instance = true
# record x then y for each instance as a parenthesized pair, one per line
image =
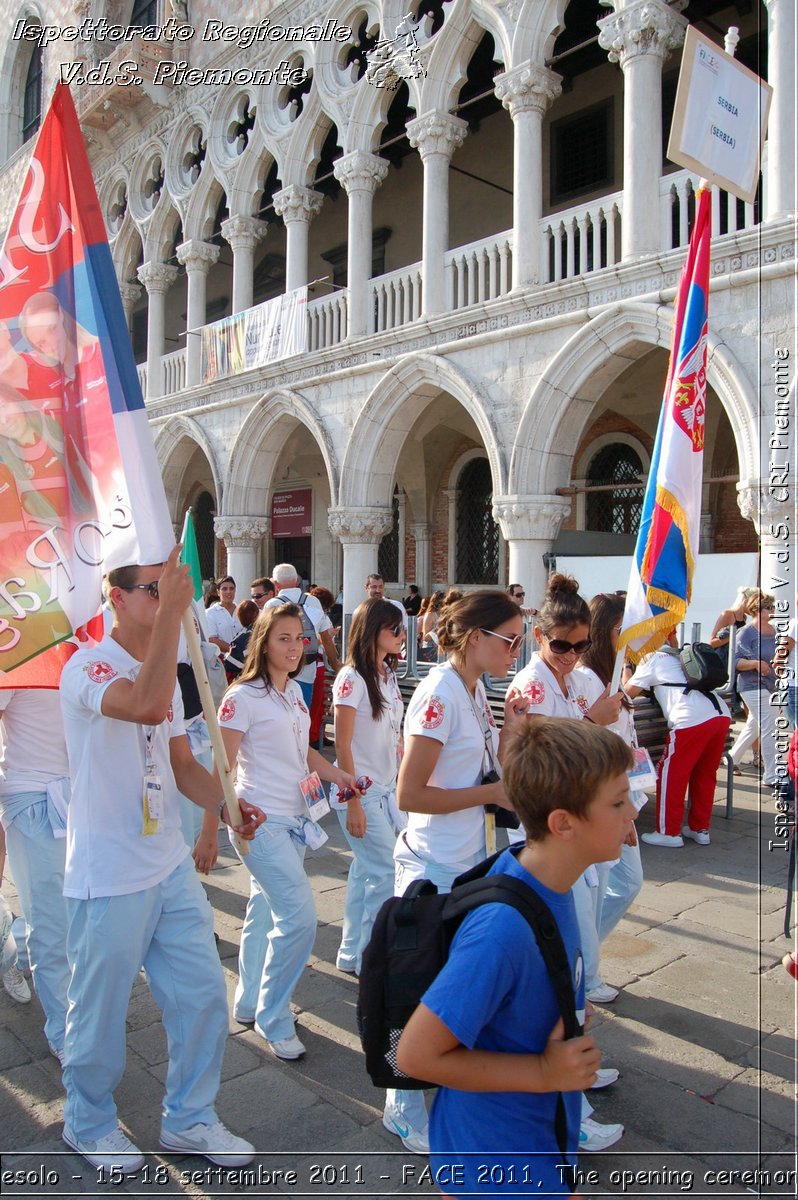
(560, 646)
(150, 588)
(513, 642)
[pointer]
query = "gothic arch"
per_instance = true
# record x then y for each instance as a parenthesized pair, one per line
(536, 30)
(578, 375)
(369, 466)
(175, 444)
(250, 473)
(15, 64)
(452, 49)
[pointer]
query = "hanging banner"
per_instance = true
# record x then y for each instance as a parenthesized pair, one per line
(292, 514)
(720, 117)
(276, 329)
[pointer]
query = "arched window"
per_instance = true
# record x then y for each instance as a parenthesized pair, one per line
(388, 553)
(616, 509)
(204, 509)
(32, 102)
(477, 533)
(145, 12)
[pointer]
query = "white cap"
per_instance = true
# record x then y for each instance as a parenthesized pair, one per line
(122, 548)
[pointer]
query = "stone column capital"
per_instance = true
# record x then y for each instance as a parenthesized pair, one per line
(196, 255)
(643, 27)
(436, 133)
(130, 293)
(244, 232)
(421, 530)
(360, 171)
(241, 532)
(157, 277)
(529, 87)
(531, 517)
(761, 504)
(296, 203)
(365, 525)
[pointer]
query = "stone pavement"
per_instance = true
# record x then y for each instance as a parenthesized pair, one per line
(703, 1033)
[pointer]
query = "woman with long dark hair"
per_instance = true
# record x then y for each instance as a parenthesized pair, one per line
(451, 746)
(621, 881)
(265, 725)
(368, 731)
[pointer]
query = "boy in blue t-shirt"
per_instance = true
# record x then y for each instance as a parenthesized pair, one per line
(488, 1030)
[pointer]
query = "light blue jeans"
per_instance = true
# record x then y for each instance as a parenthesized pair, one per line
(8, 944)
(36, 859)
(168, 929)
(623, 882)
(370, 880)
(279, 927)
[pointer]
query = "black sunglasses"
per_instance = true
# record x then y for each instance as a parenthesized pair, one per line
(259, 595)
(150, 588)
(560, 646)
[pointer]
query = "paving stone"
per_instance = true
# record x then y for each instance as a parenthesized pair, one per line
(775, 1054)
(703, 987)
(13, 1051)
(766, 1097)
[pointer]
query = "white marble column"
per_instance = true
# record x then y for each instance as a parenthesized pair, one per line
(197, 257)
(529, 525)
(360, 531)
(769, 510)
(157, 278)
(781, 170)
(297, 206)
(360, 174)
(130, 293)
(452, 496)
(640, 36)
(242, 234)
(436, 136)
(242, 536)
(526, 92)
(422, 535)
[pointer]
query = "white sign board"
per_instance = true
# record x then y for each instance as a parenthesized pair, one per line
(719, 118)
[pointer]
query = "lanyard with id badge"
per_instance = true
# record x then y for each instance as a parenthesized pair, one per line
(152, 803)
(310, 786)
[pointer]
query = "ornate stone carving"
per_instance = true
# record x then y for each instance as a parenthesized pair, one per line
(421, 531)
(244, 232)
(130, 292)
(529, 87)
(761, 505)
(364, 525)
(530, 518)
(196, 255)
(295, 203)
(157, 276)
(645, 27)
(241, 533)
(437, 133)
(360, 171)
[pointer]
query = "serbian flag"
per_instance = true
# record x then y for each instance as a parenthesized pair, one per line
(660, 583)
(78, 472)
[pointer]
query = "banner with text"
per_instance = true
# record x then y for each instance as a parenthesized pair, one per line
(276, 329)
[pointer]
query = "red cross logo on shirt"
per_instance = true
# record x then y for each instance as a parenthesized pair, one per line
(227, 711)
(433, 717)
(535, 692)
(101, 672)
(344, 689)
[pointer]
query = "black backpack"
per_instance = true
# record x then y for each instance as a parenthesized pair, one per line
(409, 945)
(704, 670)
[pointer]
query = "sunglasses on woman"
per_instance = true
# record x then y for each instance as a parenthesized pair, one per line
(514, 643)
(560, 646)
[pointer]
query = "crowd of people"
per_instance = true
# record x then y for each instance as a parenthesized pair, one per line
(107, 867)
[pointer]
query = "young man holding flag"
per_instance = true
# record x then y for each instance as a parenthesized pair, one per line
(133, 897)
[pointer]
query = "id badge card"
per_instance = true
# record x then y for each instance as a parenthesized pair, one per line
(312, 791)
(642, 777)
(152, 805)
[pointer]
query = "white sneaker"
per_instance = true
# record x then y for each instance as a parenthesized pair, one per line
(662, 839)
(214, 1142)
(604, 1077)
(114, 1152)
(16, 985)
(288, 1048)
(59, 1054)
(603, 994)
(696, 835)
(415, 1140)
(594, 1137)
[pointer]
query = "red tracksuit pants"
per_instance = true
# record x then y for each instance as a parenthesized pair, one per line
(690, 760)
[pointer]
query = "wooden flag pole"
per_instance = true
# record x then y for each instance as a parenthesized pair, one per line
(617, 671)
(209, 709)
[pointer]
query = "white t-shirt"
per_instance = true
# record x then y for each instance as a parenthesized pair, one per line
(273, 755)
(594, 690)
(682, 709)
(540, 686)
(374, 742)
(34, 751)
(222, 624)
(107, 853)
(440, 708)
(316, 614)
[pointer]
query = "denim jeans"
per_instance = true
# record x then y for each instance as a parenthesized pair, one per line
(279, 927)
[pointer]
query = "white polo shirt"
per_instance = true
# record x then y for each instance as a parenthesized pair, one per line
(374, 741)
(273, 755)
(107, 853)
(540, 686)
(33, 750)
(222, 624)
(682, 709)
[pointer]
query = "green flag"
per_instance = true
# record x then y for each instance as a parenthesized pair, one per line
(190, 554)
